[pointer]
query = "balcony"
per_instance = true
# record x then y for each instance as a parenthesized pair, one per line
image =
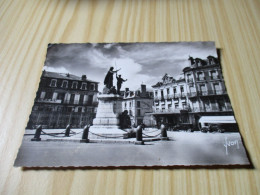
(192, 94)
(190, 81)
(212, 109)
(167, 111)
(201, 78)
(159, 98)
(183, 95)
(49, 101)
(212, 92)
(169, 96)
(216, 77)
(207, 93)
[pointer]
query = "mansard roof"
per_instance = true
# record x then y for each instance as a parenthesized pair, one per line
(65, 76)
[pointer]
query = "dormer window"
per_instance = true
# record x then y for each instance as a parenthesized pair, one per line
(64, 84)
(84, 86)
(53, 83)
(198, 62)
(92, 87)
(74, 85)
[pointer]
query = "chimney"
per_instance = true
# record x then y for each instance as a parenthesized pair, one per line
(84, 77)
(143, 89)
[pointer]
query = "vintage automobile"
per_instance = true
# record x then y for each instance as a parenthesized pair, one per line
(219, 124)
(183, 126)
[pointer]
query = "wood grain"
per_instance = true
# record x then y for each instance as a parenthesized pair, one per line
(27, 26)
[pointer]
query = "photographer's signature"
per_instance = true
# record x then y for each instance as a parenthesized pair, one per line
(230, 143)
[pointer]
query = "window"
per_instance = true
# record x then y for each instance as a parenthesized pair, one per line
(74, 85)
(84, 86)
(90, 99)
(48, 95)
(72, 97)
(92, 87)
(130, 104)
(64, 84)
(198, 62)
(203, 89)
(79, 109)
(138, 112)
(125, 104)
(156, 93)
(174, 92)
(53, 83)
(162, 94)
(176, 105)
(182, 89)
(168, 91)
(214, 74)
(130, 112)
(189, 78)
(81, 98)
(42, 95)
(138, 104)
(217, 88)
(200, 76)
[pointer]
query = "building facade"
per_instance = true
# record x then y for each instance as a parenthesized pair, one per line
(199, 91)
(138, 103)
(64, 99)
(171, 103)
(206, 89)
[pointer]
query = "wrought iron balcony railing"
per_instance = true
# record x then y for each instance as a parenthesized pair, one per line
(190, 80)
(211, 109)
(201, 78)
(215, 77)
(206, 93)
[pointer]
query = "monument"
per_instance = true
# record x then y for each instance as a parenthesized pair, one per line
(107, 121)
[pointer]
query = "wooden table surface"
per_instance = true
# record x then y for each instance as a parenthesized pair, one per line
(27, 26)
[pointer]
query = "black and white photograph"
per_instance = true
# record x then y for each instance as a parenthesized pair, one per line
(146, 104)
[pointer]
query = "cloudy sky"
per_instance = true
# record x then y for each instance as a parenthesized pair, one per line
(139, 62)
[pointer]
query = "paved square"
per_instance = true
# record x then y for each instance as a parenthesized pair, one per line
(184, 148)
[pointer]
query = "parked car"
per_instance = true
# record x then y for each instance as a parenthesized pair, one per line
(183, 126)
(217, 124)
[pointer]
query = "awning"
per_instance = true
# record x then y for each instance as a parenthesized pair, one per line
(217, 119)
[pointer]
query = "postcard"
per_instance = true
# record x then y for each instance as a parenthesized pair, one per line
(132, 105)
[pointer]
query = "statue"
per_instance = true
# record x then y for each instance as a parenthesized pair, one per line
(112, 90)
(119, 83)
(109, 77)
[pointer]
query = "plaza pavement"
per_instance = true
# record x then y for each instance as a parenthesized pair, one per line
(183, 149)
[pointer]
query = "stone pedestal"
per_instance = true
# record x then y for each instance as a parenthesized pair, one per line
(107, 121)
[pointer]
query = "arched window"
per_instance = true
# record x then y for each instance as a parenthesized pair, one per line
(74, 85)
(64, 84)
(53, 83)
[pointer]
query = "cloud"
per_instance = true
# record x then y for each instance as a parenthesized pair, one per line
(139, 62)
(53, 69)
